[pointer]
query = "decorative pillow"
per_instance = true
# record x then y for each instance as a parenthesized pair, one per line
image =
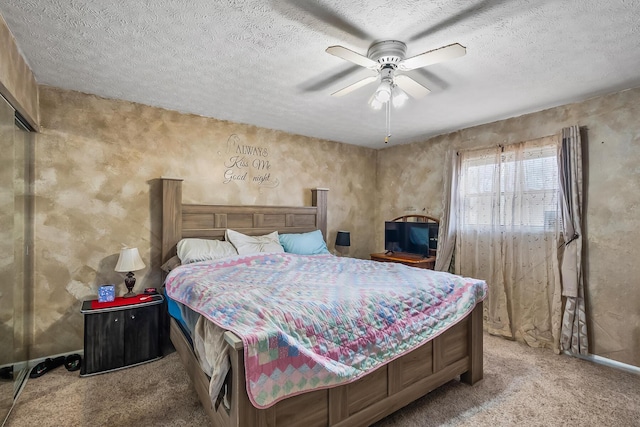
(304, 243)
(193, 250)
(247, 245)
(173, 262)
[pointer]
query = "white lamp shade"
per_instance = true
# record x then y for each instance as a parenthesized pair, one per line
(399, 97)
(383, 93)
(343, 238)
(129, 260)
(374, 103)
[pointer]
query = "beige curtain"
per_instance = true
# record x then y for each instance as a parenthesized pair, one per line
(448, 221)
(507, 234)
(574, 326)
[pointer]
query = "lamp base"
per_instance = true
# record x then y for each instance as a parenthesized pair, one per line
(129, 282)
(342, 251)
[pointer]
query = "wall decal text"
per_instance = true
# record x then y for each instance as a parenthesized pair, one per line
(248, 163)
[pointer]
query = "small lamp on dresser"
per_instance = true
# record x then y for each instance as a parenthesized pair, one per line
(343, 241)
(128, 262)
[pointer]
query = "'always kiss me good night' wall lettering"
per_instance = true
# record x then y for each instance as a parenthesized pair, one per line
(248, 163)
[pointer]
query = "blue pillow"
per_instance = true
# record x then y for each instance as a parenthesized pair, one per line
(304, 243)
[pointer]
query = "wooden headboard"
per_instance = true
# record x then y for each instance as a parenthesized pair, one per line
(210, 221)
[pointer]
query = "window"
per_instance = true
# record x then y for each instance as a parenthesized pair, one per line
(516, 186)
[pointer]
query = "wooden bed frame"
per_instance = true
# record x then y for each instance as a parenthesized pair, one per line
(458, 351)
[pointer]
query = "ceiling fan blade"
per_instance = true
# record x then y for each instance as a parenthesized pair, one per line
(351, 56)
(463, 15)
(411, 86)
(324, 81)
(354, 86)
(320, 18)
(433, 57)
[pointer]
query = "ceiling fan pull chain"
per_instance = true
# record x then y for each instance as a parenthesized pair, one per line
(388, 113)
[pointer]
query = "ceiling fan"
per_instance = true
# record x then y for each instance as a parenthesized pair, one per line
(387, 58)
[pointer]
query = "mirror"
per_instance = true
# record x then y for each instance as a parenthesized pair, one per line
(23, 241)
(7, 264)
(16, 145)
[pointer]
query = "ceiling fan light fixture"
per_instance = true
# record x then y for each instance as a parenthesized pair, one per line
(383, 93)
(374, 103)
(399, 97)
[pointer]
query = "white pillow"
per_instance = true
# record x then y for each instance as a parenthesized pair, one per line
(193, 250)
(247, 245)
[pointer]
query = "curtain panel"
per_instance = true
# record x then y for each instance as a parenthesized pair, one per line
(574, 326)
(507, 233)
(448, 221)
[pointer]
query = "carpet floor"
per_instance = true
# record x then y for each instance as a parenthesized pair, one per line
(522, 386)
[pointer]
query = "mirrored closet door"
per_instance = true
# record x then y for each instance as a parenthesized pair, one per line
(7, 264)
(16, 219)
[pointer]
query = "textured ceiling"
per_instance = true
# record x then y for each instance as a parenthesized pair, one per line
(264, 62)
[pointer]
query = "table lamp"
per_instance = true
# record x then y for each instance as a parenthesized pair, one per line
(343, 241)
(129, 261)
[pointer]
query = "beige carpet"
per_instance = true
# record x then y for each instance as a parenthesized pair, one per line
(522, 386)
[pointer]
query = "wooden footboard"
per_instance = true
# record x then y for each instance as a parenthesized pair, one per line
(457, 352)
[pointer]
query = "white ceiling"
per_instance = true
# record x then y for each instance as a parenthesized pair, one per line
(263, 62)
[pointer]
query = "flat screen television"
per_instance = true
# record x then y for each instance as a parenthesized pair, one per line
(418, 238)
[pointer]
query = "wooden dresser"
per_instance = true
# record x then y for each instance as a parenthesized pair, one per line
(411, 260)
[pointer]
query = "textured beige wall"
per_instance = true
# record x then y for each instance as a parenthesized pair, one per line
(17, 82)
(97, 167)
(410, 180)
(7, 241)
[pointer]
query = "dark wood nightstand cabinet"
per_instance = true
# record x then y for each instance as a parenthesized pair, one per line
(122, 336)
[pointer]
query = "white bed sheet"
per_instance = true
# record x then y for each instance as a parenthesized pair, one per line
(209, 347)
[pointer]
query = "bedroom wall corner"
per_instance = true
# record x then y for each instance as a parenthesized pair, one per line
(409, 181)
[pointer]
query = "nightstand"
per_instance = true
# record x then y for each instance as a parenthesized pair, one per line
(120, 336)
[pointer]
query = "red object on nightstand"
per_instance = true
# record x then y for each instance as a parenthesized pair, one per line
(120, 301)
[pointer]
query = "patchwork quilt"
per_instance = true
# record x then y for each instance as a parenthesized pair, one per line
(311, 322)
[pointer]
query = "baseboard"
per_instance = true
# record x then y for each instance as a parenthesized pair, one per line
(607, 362)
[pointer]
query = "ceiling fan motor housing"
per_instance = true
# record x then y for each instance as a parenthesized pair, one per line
(388, 52)
(386, 73)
